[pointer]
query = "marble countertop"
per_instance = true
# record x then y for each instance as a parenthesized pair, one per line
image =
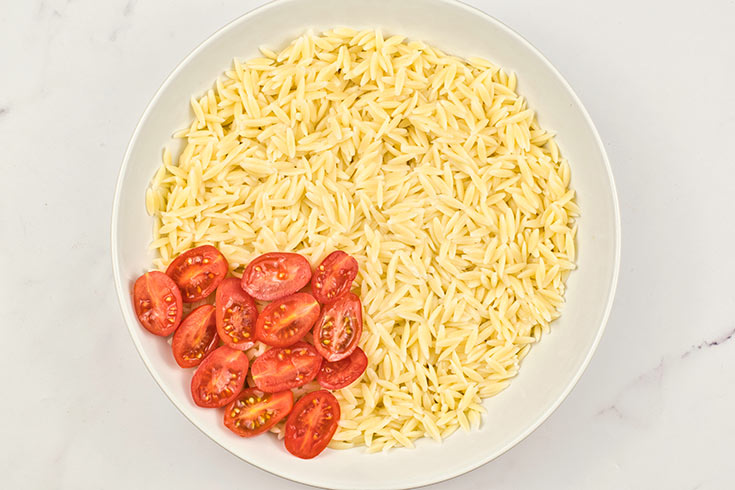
(655, 408)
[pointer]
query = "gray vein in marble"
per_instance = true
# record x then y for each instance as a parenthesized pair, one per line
(4, 110)
(55, 12)
(128, 10)
(129, 7)
(656, 374)
(710, 343)
(612, 409)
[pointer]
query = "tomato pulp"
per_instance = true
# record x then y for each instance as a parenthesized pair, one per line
(337, 375)
(157, 302)
(283, 368)
(275, 275)
(254, 412)
(339, 328)
(219, 378)
(236, 315)
(285, 321)
(198, 272)
(334, 276)
(312, 424)
(195, 338)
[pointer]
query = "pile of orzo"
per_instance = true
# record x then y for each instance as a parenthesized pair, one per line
(429, 169)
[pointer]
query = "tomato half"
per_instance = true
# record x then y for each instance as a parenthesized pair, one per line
(236, 315)
(157, 303)
(283, 368)
(339, 328)
(285, 321)
(275, 275)
(312, 424)
(198, 272)
(195, 338)
(220, 377)
(337, 375)
(334, 276)
(254, 412)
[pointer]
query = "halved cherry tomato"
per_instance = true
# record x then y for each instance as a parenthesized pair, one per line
(198, 272)
(312, 424)
(339, 328)
(334, 276)
(275, 275)
(285, 321)
(195, 338)
(283, 368)
(236, 315)
(220, 377)
(337, 375)
(254, 412)
(157, 302)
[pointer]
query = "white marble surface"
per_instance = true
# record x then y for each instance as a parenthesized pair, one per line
(656, 407)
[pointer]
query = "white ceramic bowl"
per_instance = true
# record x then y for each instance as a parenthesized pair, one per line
(553, 366)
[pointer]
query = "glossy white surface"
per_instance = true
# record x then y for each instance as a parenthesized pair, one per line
(660, 389)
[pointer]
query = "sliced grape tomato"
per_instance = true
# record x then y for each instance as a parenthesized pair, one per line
(254, 412)
(197, 272)
(220, 377)
(334, 276)
(283, 368)
(157, 303)
(275, 275)
(339, 327)
(339, 374)
(312, 424)
(285, 321)
(236, 315)
(195, 338)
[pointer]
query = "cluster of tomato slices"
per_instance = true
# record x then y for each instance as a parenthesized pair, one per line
(213, 338)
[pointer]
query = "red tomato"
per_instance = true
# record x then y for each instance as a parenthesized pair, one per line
(275, 275)
(339, 328)
(236, 315)
(285, 321)
(312, 423)
(219, 378)
(195, 338)
(337, 375)
(254, 412)
(334, 276)
(157, 302)
(197, 272)
(283, 368)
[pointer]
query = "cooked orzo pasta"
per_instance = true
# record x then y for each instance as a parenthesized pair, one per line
(429, 169)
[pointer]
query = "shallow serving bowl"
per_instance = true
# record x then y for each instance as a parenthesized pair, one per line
(552, 367)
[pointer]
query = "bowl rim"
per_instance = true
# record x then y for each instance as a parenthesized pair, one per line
(123, 294)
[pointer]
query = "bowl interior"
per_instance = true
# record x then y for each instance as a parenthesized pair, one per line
(552, 367)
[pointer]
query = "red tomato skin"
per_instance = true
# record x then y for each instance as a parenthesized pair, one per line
(157, 303)
(198, 326)
(262, 277)
(331, 324)
(340, 374)
(300, 311)
(201, 264)
(236, 328)
(218, 369)
(333, 277)
(282, 401)
(304, 441)
(283, 368)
